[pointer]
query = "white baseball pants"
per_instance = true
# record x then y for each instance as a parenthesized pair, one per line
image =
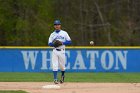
(58, 59)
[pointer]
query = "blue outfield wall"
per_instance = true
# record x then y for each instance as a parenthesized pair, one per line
(77, 59)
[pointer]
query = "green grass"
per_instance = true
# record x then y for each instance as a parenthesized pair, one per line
(11, 91)
(70, 77)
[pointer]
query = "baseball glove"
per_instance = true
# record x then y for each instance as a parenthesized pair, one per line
(57, 43)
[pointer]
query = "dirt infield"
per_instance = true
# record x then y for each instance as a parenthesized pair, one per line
(36, 87)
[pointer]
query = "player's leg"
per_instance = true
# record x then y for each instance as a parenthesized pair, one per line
(55, 65)
(62, 62)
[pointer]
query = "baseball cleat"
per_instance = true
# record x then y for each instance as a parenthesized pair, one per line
(62, 79)
(55, 81)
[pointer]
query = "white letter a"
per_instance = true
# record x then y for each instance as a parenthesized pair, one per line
(79, 61)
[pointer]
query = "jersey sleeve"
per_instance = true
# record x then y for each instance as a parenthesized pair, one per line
(68, 37)
(50, 39)
(67, 40)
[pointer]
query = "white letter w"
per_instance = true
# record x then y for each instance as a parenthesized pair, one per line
(29, 56)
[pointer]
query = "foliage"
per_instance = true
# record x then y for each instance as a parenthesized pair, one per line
(106, 22)
(25, 22)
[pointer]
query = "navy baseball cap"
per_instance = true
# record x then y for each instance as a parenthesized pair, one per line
(57, 22)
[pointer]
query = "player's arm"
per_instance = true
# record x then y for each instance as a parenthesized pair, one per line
(68, 40)
(50, 41)
(51, 44)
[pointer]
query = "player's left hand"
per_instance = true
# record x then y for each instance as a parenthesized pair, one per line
(57, 43)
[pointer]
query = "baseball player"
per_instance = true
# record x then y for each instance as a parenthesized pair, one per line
(58, 39)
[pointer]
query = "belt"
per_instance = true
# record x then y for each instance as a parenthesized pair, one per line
(59, 49)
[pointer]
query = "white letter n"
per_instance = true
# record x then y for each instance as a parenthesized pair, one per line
(122, 57)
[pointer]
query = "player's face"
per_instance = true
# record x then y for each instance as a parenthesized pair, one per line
(57, 27)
